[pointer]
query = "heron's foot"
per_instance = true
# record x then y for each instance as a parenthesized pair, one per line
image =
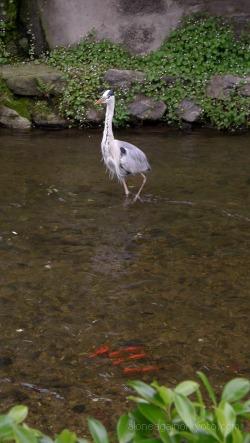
(127, 201)
(137, 197)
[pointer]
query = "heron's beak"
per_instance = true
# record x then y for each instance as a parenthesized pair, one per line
(99, 101)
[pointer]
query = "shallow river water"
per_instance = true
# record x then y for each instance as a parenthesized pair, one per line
(80, 268)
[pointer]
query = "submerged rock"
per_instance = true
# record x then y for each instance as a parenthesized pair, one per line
(33, 79)
(189, 111)
(123, 78)
(79, 408)
(5, 361)
(221, 86)
(9, 118)
(146, 108)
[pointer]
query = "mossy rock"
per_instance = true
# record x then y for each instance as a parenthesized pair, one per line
(33, 79)
(44, 116)
(11, 119)
(22, 106)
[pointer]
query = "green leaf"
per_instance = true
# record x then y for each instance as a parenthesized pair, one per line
(236, 389)
(187, 387)
(201, 405)
(188, 436)
(66, 437)
(141, 423)
(137, 399)
(157, 418)
(165, 393)
(206, 427)
(22, 435)
(125, 428)
(45, 439)
(165, 435)
(242, 408)
(208, 387)
(18, 413)
(237, 436)
(147, 440)
(35, 432)
(153, 413)
(186, 410)
(98, 431)
(226, 418)
(6, 431)
(247, 438)
(146, 392)
(143, 389)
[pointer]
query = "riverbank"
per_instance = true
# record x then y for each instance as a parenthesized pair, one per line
(199, 76)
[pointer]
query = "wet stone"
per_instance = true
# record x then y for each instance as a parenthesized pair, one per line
(146, 108)
(189, 111)
(221, 86)
(132, 342)
(5, 361)
(19, 396)
(79, 409)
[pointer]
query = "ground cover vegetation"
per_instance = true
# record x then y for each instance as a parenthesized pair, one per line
(198, 49)
(161, 415)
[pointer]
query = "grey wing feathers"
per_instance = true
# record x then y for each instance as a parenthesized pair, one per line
(132, 159)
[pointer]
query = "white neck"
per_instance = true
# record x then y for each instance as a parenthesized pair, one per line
(108, 132)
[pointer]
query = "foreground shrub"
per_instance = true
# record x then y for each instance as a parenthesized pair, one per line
(162, 415)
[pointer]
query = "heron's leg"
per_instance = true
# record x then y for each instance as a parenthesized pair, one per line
(125, 187)
(143, 183)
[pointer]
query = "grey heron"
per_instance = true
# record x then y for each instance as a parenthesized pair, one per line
(121, 158)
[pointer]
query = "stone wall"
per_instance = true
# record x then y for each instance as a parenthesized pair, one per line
(141, 25)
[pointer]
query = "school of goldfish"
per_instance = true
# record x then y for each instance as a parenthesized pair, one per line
(125, 358)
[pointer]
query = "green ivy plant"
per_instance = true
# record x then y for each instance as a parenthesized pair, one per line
(4, 55)
(198, 49)
(8, 28)
(162, 415)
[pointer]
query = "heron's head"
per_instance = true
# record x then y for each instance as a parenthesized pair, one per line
(107, 97)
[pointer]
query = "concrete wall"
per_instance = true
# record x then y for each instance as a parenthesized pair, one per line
(141, 25)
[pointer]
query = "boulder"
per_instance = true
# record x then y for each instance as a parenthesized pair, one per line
(33, 79)
(146, 108)
(9, 118)
(123, 78)
(140, 25)
(189, 111)
(220, 86)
